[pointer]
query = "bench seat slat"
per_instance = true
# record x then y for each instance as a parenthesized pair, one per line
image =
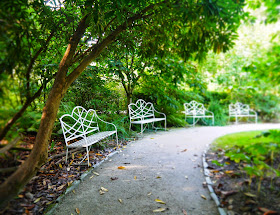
(91, 139)
(147, 120)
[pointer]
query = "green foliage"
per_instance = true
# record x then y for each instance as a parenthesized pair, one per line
(91, 91)
(256, 152)
(218, 105)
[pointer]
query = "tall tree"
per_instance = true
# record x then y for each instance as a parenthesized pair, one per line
(185, 27)
(27, 56)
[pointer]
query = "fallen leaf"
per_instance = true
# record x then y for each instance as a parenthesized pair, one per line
(120, 201)
(184, 212)
(228, 193)
(73, 156)
(98, 154)
(202, 196)
(101, 192)
(149, 194)
(135, 177)
(250, 194)
(95, 173)
(20, 196)
(267, 211)
(159, 210)
(250, 201)
(152, 138)
(73, 191)
(121, 167)
(158, 176)
(104, 189)
(91, 177)
(270, 212)
(78, 211)
(229, 171)
(60, 166)
(61, 187)
(37, 200)
(184, 150)
(159, 201)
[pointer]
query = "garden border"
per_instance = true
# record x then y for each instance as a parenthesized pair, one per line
(209, 183)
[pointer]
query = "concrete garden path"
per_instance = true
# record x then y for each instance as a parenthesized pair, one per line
(162, 165)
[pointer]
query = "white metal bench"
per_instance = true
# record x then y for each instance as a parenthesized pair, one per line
(81, 129)
(142, 113)
(197, 111)
(241, 110)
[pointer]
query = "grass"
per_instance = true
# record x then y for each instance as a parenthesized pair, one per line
(240, 139)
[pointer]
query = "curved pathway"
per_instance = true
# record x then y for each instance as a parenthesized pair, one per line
(162, 165)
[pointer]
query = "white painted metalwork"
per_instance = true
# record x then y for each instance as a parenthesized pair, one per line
(197, 111)
(241, 110)
(81, 129)
(142, 113)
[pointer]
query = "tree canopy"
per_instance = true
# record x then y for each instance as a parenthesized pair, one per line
(61, 39)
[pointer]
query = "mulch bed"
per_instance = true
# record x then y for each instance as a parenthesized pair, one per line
(235, 192)
(54, 177)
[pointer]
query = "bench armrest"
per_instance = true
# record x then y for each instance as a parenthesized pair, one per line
(160, 113)
(208, 111)
(253, 111)
(109, 123)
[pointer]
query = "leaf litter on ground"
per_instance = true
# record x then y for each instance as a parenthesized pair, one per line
(54, 177)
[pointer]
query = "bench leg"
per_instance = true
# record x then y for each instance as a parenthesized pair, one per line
(117, 140)
(87, 155)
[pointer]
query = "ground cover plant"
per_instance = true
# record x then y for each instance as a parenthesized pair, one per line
(245, 170)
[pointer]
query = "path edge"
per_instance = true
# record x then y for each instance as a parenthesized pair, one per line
(210, 183)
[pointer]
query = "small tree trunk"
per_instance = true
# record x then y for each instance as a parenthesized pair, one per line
(128, 100)
(39, 153)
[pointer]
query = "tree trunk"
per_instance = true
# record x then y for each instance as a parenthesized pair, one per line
(128, 101)
(39, 153)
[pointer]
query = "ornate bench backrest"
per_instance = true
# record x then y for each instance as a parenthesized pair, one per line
(141, 110)
(79, 124)
(239, 109)
(194, 108)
